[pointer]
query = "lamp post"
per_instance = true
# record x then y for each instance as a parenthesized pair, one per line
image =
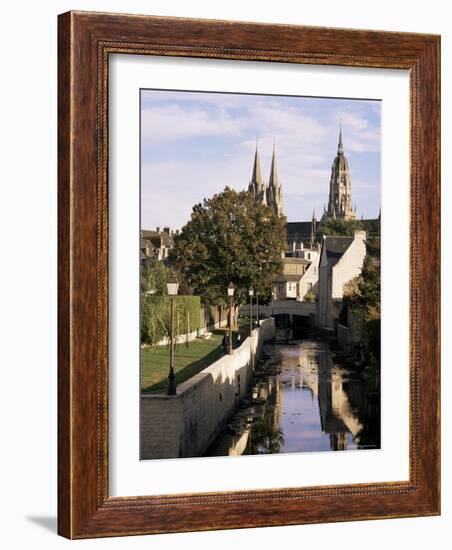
(230, 296)
(172, 286)
(250, 293)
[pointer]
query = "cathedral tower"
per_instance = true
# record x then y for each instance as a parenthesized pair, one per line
(340, 198)
(257, 186)
(274, 189)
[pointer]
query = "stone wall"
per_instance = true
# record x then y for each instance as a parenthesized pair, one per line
(186, 424)
(353, 333)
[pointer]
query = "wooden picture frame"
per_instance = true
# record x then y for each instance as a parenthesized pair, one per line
(86, 40)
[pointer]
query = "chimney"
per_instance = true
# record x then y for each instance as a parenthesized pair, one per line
(166, 230)
(158, 229)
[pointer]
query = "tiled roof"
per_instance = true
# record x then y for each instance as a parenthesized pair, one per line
(298, 230)
(335, 248)
(287, 278)
(148, 233)
(158, 239)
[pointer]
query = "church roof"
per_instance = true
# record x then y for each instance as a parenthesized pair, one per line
(298, 230)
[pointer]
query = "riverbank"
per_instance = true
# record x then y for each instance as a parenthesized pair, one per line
(302, 400)
(186, 424)
(189, 360)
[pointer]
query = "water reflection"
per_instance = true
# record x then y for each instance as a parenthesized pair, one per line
(301, 401)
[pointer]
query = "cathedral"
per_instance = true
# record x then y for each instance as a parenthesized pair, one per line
(340, 198)
(302, 234)
(270, 194)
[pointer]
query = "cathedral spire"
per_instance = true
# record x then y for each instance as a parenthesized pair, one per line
(340, 198)
(257, 185)
(313, 229)
(340, 147)
(274, 190)
(257, 173)
(274, 180)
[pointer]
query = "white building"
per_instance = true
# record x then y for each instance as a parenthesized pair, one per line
(156, 244)
(341, 259)
(309, 281)
(299, 276)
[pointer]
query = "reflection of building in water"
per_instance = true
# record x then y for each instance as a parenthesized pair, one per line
(312, 404)
(266, 435)
(270, 391)
(337, 416)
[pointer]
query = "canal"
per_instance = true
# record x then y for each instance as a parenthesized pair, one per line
(300, 400)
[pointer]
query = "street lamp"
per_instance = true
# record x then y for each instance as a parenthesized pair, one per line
(250, 293)
(172, 286)
(230, 296)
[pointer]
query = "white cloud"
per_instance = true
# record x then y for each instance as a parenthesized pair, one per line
(306, 143)
(172, 122)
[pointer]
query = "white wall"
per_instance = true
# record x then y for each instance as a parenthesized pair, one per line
(28, 273)
(350, 264)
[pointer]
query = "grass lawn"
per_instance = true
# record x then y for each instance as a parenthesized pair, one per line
(188, 361)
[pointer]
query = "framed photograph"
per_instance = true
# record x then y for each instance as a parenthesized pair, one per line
(248, 275)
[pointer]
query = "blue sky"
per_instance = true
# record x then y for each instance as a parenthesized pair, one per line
(193, 144)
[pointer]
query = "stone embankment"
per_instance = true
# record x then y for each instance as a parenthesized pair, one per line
(186, 424)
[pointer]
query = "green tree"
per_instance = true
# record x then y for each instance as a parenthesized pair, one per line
(339, 227)
(229, 238)
(154, 275)
(363, 294)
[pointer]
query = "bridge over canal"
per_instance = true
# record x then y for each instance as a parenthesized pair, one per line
(284, 310)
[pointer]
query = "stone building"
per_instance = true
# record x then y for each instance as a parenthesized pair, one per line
(299, 276)
(341, 259)
(274, 189)
(340, 197)
(270, 194)
(257, 185)
(156, 244)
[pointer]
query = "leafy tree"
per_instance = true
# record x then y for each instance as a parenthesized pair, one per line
(339, 227)
(154, 275)
(363, 293)
(229, 238)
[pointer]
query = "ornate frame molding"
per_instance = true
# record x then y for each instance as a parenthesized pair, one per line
(85, 42)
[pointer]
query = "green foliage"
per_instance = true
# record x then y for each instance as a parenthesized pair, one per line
(155, 317)
(309, 296)
(229, 238)
(338, 227)
(154, 274)
(363, 293)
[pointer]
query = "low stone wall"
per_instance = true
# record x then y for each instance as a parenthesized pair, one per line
(187, 423)
(182, 338)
